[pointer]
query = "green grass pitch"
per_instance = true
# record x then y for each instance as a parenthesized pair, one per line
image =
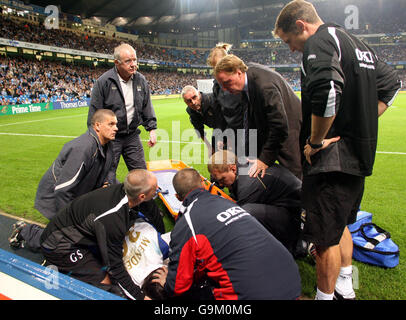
(30, 142)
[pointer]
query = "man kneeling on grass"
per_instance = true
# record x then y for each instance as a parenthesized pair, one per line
(85, 239)
(84, 164)
(274, 200)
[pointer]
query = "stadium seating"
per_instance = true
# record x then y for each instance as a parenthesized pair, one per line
(30, 81)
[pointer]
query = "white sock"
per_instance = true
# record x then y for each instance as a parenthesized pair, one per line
(344, 283)
(323, 296)
(346, 270)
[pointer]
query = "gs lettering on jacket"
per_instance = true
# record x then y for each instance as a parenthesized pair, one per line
(75, 256)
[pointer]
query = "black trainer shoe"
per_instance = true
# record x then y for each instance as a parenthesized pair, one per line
(338, 296)
(15, 240)
(311, 250)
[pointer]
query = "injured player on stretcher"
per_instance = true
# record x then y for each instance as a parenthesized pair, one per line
(145, 251)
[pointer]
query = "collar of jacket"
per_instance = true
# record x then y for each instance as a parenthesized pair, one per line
(240, 166)
(96, 137)
(113, 74)
(192, 195)
(329, 24)
(204, 103)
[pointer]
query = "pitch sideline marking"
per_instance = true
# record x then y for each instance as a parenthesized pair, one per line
(72, 137)
(30, 121)
(35, 135)
(163, 141)
(21, 218)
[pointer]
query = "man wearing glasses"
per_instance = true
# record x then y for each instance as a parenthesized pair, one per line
(126, 92)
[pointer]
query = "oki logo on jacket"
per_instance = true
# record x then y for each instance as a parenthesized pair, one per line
(231, 215)
(365, 58)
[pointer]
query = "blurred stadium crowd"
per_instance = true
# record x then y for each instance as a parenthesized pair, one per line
(31, 81)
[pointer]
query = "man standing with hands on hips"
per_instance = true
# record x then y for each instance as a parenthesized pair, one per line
(126, 92)
(345, 88)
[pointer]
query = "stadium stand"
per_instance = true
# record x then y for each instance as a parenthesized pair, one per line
(24, 80)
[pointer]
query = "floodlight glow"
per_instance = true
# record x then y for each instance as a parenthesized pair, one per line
(119, 21)
(167, 19)
(142, 21)
(188, 17)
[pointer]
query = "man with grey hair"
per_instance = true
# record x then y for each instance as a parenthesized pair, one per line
(126, 92)
(85, 239)
(203, 109)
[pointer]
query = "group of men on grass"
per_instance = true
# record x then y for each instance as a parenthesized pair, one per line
(324, 144)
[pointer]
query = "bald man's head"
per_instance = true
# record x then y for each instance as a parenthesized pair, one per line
(140, 185)
(185, 181)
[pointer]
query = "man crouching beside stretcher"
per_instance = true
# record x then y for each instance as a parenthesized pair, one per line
(219, 244)
(274, 199)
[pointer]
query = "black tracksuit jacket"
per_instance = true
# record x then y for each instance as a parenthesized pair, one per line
(342, 76)
(83, 165)
(99, 221)
(209, 115)
(214, 238)
(107, 94)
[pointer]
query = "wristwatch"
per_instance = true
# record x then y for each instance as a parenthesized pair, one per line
(314, 146)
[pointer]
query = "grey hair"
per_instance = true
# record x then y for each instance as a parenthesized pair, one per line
(186, 89)
(117, 50)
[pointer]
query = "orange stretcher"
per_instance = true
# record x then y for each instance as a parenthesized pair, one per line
(164, 170)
